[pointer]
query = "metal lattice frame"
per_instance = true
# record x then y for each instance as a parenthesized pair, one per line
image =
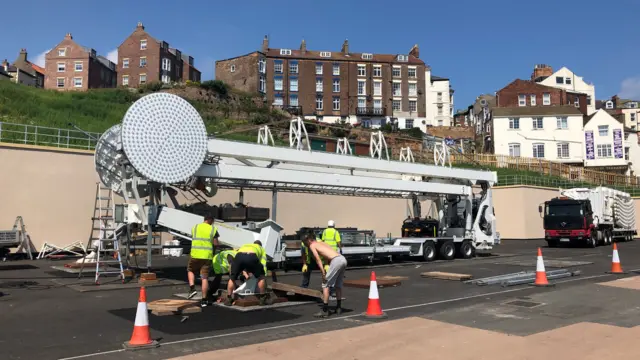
(441, 154)
(265, 137)
(298, 134)
(377, 145)
(406, 155)
(343, 147)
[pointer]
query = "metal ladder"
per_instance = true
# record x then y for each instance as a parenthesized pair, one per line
(103, 239)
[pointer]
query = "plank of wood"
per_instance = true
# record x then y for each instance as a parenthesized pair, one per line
(171, 304)
(160, 311)
(365, 283)
(446, 276)
(256, 302)
(296, 290)
(388, 277)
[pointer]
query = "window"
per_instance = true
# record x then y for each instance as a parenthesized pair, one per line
(567, 81)
(262, 87)
(440, 110)
(514, 123)
(562, 122)
(537, 123)
(440, 122)
(396, 72)
(413, 105)
(61, 67)
(522, 100)
(285, 51)
(166, 79)
(403, 58)
(632, 105)
(633, 116)
(366, 123)
(377, 104)
(318, 85)
(538, 150)
(609, 104)
(626, 153)
(397, 90)
(325, 54)
(278, 100)
(293, 67)
(362, 102)
(293, 100)
(439, 99)
(411, 72)
(576, 102)
(125, 80)
(563, 150)
(78, 66)
(318, 69)
(232, 68)
(143, 63)
(277, 67)
(336, 103)
(277, 84)
(362, 70)
(336, 85)
(367, 56)
(143, 78)
(143, 44)
(336, 69)
(589, 100)
(262, 66)
(60, 82)
(604, 150)
(377, 71)
(533, 99)
(319, 102)
(293, 84)
(546, 99)
(362, 87)
(408, 124)
(559, 80)
(125, 63)
(603, 130)
(377, 88)
(514, 149)
(166, 64)
(413, 89)
(62, 52)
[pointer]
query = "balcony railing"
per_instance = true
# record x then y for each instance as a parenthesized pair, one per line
(370, 111)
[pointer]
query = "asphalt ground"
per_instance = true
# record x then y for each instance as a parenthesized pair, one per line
(41, 319)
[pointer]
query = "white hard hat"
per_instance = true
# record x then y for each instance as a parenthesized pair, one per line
(331, 223)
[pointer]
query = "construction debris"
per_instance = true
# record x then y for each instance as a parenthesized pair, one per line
(166, 307)
(446, 276)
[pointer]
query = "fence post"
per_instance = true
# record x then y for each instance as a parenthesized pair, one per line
(26, 131)
(35, 136)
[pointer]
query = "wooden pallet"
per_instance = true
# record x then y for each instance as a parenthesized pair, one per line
(166, 307)
(446, 276)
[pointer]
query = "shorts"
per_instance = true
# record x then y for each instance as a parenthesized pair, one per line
(246, 262)
(335, 275)
(203, 266)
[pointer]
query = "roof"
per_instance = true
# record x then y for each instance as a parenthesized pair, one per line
(106, 62)
(616, 117)
(240, 56)
(338, 55)
(36, 67)
(3, 73)
(184, 57)
(438, 78)
(520, 81)
(536, 111)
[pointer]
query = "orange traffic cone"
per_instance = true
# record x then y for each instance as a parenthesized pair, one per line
(541, 273)
(616, 268)
(374, 311)
(141, 338)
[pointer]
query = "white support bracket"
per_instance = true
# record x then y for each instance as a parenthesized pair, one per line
(441, 154)
(265, 137)
(296, 132)
(377, 144)
(343, 147)
(406, 155)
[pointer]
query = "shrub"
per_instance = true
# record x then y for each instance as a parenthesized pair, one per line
(217, 86)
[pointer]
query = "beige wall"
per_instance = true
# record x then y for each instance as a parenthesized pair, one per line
(54, 192)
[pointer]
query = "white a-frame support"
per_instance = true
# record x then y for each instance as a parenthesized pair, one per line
(406, 155)
(265, 137)
(441, 154)
(296, 132)
(343, 147)
(377, 145)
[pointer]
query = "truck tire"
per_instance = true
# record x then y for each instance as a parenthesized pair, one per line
(466, 250)
(552, 243)
(428, 251)
(448, 250)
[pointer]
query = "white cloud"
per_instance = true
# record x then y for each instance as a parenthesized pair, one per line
(630, 88)
(39, 59)
(113, 56)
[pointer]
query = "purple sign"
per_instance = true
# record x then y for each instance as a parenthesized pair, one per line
(617, 144)
(588, 141)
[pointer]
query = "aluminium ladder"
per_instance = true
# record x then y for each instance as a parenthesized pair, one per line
(103, 239)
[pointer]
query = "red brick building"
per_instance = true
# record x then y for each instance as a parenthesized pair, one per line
(71, 66)
(520, 93)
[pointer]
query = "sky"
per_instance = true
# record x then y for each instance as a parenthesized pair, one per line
(480, 46)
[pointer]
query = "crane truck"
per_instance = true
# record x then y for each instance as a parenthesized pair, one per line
(589, 216)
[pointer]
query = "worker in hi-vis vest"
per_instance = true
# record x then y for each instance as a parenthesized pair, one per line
(204, 239)
(252, 259)
(308, 264)
(221, 265)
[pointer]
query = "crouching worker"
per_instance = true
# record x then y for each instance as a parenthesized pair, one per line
(221, 265)
(331, 278)
(252, 259)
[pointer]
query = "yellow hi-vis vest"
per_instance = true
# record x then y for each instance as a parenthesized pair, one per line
(258, 250)
(220, 262)
(331, 237)
(202, 241)
(308, 258)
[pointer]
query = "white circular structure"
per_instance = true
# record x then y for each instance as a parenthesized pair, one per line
(164, 138)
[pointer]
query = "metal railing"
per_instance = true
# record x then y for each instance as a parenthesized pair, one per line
(511, 180)
(46, 136)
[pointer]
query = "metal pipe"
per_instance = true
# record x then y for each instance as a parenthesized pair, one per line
(549, 277)
(515, 276)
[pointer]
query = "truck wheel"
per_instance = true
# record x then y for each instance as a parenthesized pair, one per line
(552, 243)
(428, 251)
(466, 251)
(448, 250)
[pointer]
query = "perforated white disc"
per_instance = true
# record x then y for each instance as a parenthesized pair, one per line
(164, 138)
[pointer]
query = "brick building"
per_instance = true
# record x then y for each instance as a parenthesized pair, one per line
(371, 89)
(71, 66)
(143, 59)
(525, 93)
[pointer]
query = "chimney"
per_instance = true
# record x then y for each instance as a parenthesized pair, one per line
(68, 36)
(265, 44)
(5, 65)
(140, 26)
(303, 46)
(345, 47)
(541, 71)
(415, 51)
(23, 55)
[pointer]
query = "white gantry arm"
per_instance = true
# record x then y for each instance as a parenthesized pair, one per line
(441, 154)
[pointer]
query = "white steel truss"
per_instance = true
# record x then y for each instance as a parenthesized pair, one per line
(343, 147)
(406, 155)
(377, 145)
(298, 133)
(265, 137)
(441, 154)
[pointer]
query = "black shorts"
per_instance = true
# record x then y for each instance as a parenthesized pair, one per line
(246, 262)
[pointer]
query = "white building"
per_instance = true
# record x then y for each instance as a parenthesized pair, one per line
(438, 100)
(604, 141)
(629, 109)
(553, 133)
(566, 79)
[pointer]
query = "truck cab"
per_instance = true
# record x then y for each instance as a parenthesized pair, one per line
(567, 220)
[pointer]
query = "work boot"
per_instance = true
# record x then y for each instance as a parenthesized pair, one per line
(265, 299)
(192, 293)
(204, 303)
(228, 301)
(339, 311)
(321, 314)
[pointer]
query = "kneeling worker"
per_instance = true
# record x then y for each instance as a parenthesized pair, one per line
(253, 259)
(333, 277)
(221, 265)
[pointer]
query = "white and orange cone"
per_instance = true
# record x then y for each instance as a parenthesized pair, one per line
(141, 338)
(616, 268)
(374, 310)
(541, 273)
